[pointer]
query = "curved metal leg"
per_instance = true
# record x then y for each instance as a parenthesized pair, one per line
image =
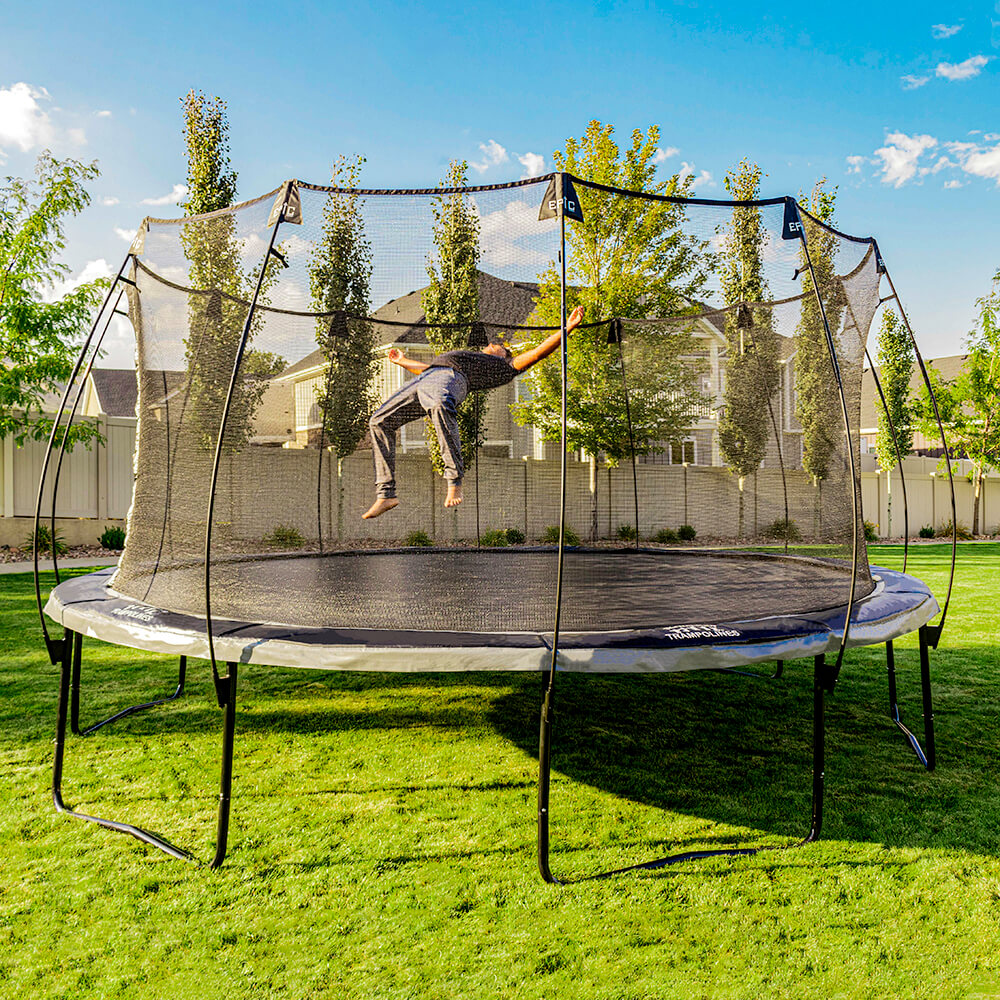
(928, 757)
(821, 681)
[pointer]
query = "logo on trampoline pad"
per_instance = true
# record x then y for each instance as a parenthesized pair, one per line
(550, 202)
(138, 612)
(682, 632)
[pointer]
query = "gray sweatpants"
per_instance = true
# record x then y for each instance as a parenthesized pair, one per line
(435, 393)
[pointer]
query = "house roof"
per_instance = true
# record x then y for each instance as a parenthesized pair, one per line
(116, 390)
(871, 406)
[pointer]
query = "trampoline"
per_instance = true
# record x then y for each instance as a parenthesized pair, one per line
(195, 580)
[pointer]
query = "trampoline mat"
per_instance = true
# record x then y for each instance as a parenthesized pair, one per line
(502, 590)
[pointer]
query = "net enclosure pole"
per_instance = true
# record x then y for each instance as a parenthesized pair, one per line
(545, 734)
(54, 648)
(856, 541)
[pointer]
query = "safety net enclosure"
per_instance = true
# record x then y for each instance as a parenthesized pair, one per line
(671, 483)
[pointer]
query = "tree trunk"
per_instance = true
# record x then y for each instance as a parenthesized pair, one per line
(740, 518)
(817, 511)
(977, 482)
(593, 498)
(888, 503)
(340, 499)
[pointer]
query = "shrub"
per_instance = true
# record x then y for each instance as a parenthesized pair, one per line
(626, 532)
(962, 531)
(45, 541)
(284, 537)
(871, 531)
(785, 530)
(418, 538)
(515, 536)
(551, 535)
(927, 531)
(686, 533)
(665, 536)
(494, 538)
(112, 538)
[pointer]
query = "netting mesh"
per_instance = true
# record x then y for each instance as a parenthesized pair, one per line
(702, 392)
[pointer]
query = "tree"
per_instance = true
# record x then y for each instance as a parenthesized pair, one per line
(752, 364)
(970, 404)
(452, 299)
(218, 304)
(817, 395)
(40, 337)
(895, 360)
(630, 258)
(340, 270)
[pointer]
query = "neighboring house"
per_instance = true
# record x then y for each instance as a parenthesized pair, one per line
(871, 405)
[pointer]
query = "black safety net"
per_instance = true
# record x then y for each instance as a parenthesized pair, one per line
(290, 375)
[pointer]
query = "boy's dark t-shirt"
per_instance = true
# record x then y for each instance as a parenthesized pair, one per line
(483, 371)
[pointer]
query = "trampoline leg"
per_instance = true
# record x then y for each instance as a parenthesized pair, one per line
(544, 766)
(125, 712)
(819, 747)
(225, 689)
(926, 758)
(71, 647)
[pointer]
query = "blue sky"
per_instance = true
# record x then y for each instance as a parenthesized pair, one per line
(897, 104)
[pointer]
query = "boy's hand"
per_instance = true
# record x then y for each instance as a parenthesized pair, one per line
(575, 318)
(394, 354)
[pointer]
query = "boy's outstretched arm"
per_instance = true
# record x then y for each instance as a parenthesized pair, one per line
(397, 357)
(524, 361)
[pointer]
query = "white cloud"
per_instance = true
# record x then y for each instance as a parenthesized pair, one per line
(855, 163)
(109, 201)
(533, 163)
(900, 154)
(688, 170)
(126, 234)
(945, 30)
(91, 271)
(22, 121)
(972, 66)
(78, 136)
(911, 82)
(952, 184)
(493, 155)
(984, 163)
(512, 237)
(175, 196)
(662, 155)
(102, 114)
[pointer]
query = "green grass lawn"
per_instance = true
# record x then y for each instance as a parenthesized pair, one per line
(383, 829)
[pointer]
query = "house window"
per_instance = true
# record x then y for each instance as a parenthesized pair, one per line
(682, 451)
(307, 413)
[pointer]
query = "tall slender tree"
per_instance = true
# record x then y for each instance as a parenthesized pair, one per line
(629, 258)
(895, 360)
(752, 363)
(217, 308)
(40, 331)
(451, 299)
(818, 406)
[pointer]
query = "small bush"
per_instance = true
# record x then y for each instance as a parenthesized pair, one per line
(946, 531)
(551, 535)
(284, 537)
(494, 538)
(871, 532)
(418, 538)
(515, 536)
(45, 541)
(686, 533)
(112, 538)
(626, 532)
(665, 536)
(927, 531)
(784, 530)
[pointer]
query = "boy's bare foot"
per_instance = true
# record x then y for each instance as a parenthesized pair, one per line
(454, 497)
(380, 507)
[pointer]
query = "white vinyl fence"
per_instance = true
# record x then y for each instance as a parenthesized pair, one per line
(96, 484)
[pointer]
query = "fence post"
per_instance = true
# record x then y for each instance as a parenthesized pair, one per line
(104, 428)
(8, 477)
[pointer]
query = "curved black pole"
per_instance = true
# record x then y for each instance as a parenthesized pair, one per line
(54, 647)
(856, 541)
(935, 631)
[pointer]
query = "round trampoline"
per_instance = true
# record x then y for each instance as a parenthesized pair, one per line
(265, 395)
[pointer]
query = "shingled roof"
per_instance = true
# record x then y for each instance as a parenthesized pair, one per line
(116, 390)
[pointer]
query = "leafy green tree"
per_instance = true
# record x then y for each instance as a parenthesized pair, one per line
(752, 363)
(217, 310)
(340, 270)
(629, 258)
(970, 404)
(895, 360)
(817, 405)
(40, 337)
(452, 297)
